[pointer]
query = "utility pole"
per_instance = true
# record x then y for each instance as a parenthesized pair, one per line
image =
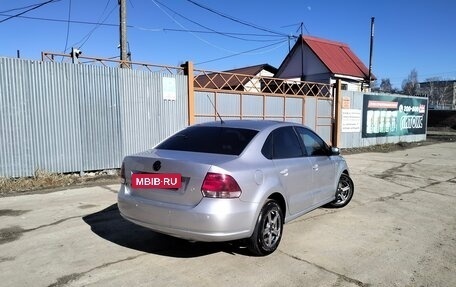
(123, 33)
(302, 52)
(371, 48)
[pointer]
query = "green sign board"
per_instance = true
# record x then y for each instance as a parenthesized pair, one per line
(385, 116)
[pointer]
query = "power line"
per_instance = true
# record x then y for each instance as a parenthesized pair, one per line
(19, 8)
(68, 27)
(28, 10)
(139, 27)
(88, 35)
(242, 53)
(201, 39)
(64, 21)
(301, 25)
(235, 19)
(183, 27)
(210, 32)
(208, 28)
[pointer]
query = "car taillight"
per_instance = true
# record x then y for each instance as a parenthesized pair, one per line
(218, 185)
(122, 174)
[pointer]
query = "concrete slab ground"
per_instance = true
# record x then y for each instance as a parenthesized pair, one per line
(399, 230)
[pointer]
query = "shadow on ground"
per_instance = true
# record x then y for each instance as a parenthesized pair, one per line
(109, 225)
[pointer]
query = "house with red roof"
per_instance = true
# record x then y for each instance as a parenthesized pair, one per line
(246, 79)
(323, 61)
(264, 70)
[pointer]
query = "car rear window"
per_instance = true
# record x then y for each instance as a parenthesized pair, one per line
(219, 140)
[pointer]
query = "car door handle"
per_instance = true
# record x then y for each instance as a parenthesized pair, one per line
(284, 172)
(315, 167)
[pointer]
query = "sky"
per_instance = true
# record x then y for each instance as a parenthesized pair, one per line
(222, 35)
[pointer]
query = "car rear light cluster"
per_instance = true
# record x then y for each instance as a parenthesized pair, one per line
(122, 174)
(216, 185)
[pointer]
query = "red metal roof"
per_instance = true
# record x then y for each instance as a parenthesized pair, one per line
(337, 57)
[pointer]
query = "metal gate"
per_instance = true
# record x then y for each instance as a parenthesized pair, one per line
(240, 96)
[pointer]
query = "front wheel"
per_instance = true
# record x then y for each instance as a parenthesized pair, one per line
(344, 193)
(268, 230)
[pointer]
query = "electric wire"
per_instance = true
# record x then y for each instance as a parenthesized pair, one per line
(300, 28)
(28, 10)
(196, 36)
(210, 29)
(202, 32)
(234, 53)
(97, 25)
(139, 27)
(235, 19)
(301, 24)
(19, 8)
(62, 20)
(281, 43)
(68, 27)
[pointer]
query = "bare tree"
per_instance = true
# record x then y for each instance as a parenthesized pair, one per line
(439, 91)
(374, 86)
(385, 86)
(410, 86)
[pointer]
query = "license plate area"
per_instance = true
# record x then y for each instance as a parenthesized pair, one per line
(172, 181)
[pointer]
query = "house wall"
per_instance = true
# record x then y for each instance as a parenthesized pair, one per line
(350, 85)
(254, 85)
(306, 63)
(303, 61)
(265, 73)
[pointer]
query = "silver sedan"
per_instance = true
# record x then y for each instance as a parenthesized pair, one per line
(230, 180)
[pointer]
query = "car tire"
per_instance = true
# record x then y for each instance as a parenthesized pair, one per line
(344, 193)
(268, 230)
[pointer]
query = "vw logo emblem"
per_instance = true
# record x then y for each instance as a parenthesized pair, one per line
(157, 165)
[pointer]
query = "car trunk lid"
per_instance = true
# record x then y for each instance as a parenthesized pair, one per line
(191, 166)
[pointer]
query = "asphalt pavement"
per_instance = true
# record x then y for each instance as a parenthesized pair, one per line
(399, 230)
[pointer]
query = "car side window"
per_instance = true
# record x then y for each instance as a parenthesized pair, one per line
(313, 144)
(282, 143)
(267, 149)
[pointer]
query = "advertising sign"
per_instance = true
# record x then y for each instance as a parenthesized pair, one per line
(351, 120)
(169, 89)
(393, 116)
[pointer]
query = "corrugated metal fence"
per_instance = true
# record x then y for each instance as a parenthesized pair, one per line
(65, 118)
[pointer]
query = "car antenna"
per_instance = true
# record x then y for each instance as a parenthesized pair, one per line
(218, 115)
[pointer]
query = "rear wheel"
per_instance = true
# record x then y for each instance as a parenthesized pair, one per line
(344, 193)
(268, 230)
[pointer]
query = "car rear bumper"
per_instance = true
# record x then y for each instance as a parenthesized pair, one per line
(210, 220)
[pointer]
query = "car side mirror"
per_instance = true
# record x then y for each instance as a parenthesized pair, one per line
(335, 151)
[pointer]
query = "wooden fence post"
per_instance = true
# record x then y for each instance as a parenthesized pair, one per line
(188, 71)
(337, 114)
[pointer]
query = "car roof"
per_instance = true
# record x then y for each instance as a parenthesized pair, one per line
(248, 124)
